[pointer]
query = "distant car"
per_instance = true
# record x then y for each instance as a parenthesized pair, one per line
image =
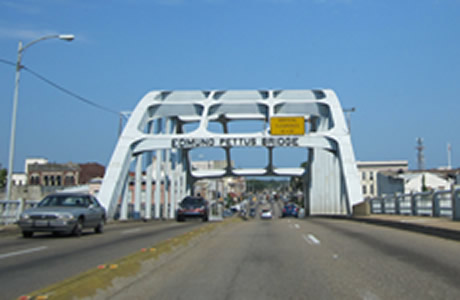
(252, 212)
(266, 214)
(227, 213)
(67, 213)
(192, 207)
(290, 210)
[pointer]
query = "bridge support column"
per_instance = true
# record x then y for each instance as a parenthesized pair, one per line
(138, 188)
(158, 184)
(148, 187)
(325, 184)
(124, 201)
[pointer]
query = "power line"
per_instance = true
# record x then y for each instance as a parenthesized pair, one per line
(62, 89)
(7, 62)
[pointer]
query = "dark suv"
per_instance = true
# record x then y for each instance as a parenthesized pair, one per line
(290, 209)
(193, 207)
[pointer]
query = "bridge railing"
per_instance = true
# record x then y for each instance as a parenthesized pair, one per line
(11, 209)
(445, 203)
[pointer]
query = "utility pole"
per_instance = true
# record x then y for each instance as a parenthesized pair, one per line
(420, 156)
(449, 156)
(348, 112)
(123, 115)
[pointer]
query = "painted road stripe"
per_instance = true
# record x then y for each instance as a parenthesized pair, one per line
(311, 239)
(21, 252)
(130, 231)
(297, 226)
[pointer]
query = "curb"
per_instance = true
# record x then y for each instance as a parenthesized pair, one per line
(9, 230)
(419, 228)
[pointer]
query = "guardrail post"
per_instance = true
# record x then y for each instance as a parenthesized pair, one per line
(19, 208)
(371, 204)
(397, 204)
(413, 204)
(435, 206)
(455, 204)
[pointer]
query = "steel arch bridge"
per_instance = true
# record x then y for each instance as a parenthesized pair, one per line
(156, 145)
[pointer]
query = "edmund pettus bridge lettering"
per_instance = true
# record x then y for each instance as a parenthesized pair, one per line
(186, 143)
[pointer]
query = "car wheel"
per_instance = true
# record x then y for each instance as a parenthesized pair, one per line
(205, 218)
(77, 230)
(100, 227)
(27, 234)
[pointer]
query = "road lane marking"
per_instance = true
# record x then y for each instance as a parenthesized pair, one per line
(297, 226)
(368, 295)
(311, 239)
(130, 231)
(21, 252)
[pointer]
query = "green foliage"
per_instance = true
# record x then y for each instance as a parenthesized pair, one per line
(296, 182)
(424, 187)
(254, 185)
(3, 175)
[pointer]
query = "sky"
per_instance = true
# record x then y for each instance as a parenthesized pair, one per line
(396, 62)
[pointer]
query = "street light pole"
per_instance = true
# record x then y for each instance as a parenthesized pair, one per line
(66, 37)
(348, 112)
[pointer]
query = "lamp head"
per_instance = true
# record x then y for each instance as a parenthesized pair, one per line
(66, 37)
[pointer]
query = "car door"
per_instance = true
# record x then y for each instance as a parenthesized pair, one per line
(93, 214)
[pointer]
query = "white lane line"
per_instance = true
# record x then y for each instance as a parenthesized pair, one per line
(297, 226)
(128, 231)
(368, 295)
(21, 252)
(311, 239)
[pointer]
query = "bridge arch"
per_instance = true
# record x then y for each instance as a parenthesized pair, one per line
(156, 141)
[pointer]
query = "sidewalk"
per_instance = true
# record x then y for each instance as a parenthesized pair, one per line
(441, 227)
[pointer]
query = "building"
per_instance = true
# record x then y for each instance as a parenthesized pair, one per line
(416, 182)
(42, 177)
(380, 177)
(214, 189)
(53, 174)
(69, 174)
(19, 179)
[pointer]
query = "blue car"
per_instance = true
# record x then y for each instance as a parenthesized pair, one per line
(290, 210)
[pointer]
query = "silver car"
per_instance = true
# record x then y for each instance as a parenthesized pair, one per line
(66, 213)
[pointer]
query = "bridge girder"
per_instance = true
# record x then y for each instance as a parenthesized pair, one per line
(157, 125)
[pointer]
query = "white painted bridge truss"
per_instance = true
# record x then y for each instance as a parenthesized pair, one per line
(156, 145)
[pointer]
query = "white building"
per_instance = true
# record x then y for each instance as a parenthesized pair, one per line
(19, 179)
(414, 182)
(32, 161)
(369, 170)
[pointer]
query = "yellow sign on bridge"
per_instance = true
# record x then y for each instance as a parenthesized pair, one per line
(287, 126)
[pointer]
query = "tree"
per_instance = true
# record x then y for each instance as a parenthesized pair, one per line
(424, 187)
(3, 175)
(297, 181)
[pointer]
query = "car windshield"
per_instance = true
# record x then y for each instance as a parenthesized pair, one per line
(64, 200)
(191, 201)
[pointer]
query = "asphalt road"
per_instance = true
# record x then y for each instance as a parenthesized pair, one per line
(30, 264)
(306, 259)
(314, 258)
